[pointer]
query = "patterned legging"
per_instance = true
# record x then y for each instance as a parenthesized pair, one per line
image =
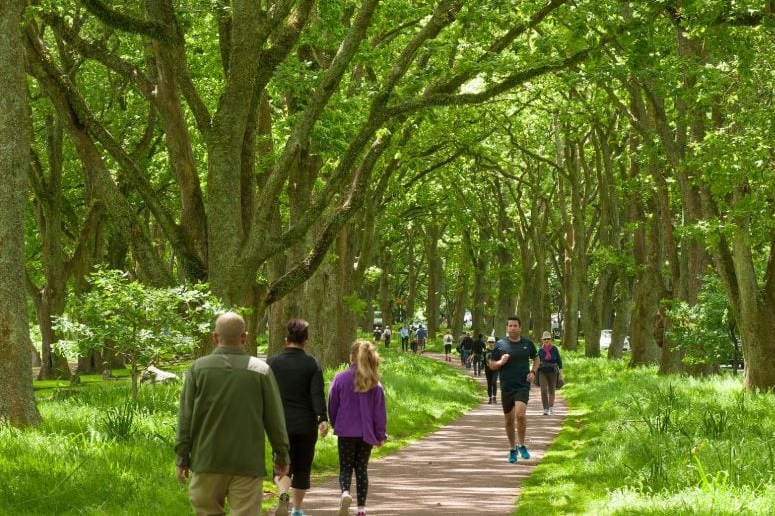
(354, 454)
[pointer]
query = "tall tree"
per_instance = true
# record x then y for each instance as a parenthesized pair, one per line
(17, 399)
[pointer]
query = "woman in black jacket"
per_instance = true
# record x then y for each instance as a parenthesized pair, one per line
(300, 379)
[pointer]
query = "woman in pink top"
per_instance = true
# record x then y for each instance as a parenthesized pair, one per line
(356, 409)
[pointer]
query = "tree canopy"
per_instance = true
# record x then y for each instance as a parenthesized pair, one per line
(592, 161)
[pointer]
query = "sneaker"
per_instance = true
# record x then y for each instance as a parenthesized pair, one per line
(523, 452)
(513, 455)
(490, 401)
(551, 410)
(344, 504)
(297, 512)
(546, 412)
(282, 505)
(361, 513)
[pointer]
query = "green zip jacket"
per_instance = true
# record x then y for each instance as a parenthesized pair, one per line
(230, 399)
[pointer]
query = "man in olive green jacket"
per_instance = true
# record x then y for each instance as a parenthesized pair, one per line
(230, 400)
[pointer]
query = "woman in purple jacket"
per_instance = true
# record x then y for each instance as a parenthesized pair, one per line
(356, 408)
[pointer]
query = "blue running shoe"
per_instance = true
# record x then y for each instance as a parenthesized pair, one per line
(523, 452)
(513, 455)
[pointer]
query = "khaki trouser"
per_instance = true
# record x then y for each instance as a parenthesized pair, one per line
(208, 493)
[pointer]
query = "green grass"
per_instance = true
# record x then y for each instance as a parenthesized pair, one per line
(633, 443)
(96, 453)
(638, 443)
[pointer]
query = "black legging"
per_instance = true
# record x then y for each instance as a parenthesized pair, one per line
(354, 454)
(492, 382)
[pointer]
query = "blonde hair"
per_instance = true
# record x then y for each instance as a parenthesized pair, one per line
(366, 359)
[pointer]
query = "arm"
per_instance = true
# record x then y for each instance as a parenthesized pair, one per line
(183, 434)
(274, 424)
(498, 359)
(333, 401)
(318, 396)
(380, 416)
(534, 369)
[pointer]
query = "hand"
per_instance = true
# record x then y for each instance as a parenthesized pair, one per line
(282, 469)
(323, 428)
(183, 474)
(504, 358)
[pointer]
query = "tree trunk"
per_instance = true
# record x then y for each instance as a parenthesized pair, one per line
(479, 261)
(751, 304)
(645, 295)
(435, 274)
(332, 322)
(505, 304)
(17, 398)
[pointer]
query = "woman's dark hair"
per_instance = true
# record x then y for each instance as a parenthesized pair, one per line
(298, 331)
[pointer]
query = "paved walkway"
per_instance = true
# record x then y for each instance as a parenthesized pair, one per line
(461, 469)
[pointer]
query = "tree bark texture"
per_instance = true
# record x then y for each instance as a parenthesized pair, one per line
(17, 398)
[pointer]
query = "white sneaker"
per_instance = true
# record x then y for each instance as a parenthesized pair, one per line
(344, 504)
(283, 484)
(551, 410)
(282, 505)
(546, 412)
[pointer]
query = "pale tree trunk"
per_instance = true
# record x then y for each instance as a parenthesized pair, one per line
(479, 261)
(435, 274)
(461, 296)
(412, 268)
(623, 307)
(17, 398)
(574, 249)
(385, 281)
(505, 304)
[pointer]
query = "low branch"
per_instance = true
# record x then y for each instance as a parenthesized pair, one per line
(126, 23)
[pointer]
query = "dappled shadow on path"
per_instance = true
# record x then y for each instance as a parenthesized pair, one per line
(461, 469)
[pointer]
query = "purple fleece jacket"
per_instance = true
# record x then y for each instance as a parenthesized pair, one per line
(357, 414)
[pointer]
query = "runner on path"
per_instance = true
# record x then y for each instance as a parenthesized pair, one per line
(516, 358)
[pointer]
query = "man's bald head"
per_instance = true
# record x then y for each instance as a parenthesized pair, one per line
(229, 330)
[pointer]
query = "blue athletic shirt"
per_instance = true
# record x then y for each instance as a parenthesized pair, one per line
(513, 374)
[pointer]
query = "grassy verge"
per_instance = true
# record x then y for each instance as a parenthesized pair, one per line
(98, 454)
(638, 443)
(633, 443)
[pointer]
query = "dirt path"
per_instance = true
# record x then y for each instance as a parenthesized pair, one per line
(461, 469)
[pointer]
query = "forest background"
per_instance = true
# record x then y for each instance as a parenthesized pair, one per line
(606, 164)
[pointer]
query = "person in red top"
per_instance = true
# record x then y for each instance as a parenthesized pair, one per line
(356, 407)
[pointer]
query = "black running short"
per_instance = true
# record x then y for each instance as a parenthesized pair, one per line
(508, 399)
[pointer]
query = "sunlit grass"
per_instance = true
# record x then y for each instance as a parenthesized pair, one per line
(635, 442)
(80, 461)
